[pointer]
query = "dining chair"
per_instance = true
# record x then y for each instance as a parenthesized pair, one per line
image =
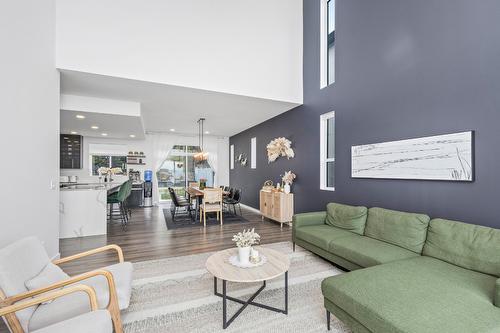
(188, 195)
(26, 271)
(212, 203)
(234, 200)
(178, 204)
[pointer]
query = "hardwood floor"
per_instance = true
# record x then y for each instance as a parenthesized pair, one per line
(147, 237)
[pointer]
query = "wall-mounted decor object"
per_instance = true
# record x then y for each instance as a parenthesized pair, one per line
(440, 157)
(279, 147)
(242, 159)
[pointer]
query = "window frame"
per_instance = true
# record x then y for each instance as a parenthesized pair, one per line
(91, 163)
(324, 45)
(324, 160)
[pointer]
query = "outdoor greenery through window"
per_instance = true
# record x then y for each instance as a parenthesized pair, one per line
(180, 168)
(108, 161)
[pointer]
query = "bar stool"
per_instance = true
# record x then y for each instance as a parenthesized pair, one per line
(119, 198)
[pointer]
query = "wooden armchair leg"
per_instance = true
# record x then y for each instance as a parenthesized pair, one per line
(114, 311)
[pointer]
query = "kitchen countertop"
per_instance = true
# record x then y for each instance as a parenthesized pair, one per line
(91, 186)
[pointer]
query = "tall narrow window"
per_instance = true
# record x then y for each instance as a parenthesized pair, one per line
(253, 153)
(231, 157)
(327, 42)
(327, 151)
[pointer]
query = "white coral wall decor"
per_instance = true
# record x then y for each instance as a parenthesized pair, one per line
(279, 147)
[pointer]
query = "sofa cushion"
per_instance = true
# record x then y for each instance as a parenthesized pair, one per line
(366, 251)
(407, 230)
(96, 321)
(421, 294)
(20, 262)
(321, 235)
(50, 274)
(351, 218)
(465, 245)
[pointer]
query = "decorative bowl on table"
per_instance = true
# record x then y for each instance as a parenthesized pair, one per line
(233, 260)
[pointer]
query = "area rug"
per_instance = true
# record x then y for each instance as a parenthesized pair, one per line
(176, 295)
(184, 221)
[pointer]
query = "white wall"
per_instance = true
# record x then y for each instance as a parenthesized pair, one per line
(100, 105)
(251, 48)
(29, 139)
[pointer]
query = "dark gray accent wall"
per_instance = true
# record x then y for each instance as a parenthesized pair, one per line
(404, 69)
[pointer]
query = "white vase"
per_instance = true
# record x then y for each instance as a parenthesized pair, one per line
(287, 188)
(244, 255)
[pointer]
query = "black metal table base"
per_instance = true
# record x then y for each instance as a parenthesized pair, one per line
(250, 301)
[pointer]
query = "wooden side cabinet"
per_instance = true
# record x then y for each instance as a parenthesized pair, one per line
(277, 206)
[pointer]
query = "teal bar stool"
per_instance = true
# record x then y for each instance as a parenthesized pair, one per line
(119, 199)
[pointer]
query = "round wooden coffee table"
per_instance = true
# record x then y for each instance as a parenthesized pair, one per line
(218, 264)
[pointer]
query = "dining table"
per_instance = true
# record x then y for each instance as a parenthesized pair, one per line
(196, 192)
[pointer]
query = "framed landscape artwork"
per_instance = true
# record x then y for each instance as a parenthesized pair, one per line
(441, 157)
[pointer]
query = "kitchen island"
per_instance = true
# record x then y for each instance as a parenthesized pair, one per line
(83, 208)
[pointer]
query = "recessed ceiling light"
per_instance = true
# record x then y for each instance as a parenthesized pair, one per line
(94, 127)
(207, 132)
(104, 134)
(73, 132)
(172, 130)
(132, 135)
(80, 116)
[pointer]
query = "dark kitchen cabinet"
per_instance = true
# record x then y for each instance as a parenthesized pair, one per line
(71, 151)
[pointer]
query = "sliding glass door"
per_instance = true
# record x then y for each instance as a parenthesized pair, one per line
(180, 168)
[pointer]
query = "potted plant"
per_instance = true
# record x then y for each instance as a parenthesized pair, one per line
(244, 241)
(287, 179)
(203, 183)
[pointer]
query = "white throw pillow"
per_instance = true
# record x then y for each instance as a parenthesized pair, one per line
(49, 275)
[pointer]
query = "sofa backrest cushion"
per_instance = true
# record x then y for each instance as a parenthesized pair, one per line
(20, 262)
(352, 218)
(407, 230)
(466, 245)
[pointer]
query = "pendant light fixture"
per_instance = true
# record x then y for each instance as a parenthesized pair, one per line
(201, 155)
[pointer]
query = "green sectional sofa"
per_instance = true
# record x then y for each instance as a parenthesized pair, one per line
(408, 273)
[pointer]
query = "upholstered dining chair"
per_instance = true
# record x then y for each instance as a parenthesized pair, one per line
(188, 196)
(234, 200)
(212, 202)
(26, 271)
(96, 321)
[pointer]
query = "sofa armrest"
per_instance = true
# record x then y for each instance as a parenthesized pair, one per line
(496, 297)
(50, 296)
(305, 219)
(111, 247)
(67, 282)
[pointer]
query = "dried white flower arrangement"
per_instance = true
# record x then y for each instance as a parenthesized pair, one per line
(279, 147)
(288, 177)
(246, 238)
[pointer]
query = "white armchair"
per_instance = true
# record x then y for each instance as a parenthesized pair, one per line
(26, 271)
(97, 321)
